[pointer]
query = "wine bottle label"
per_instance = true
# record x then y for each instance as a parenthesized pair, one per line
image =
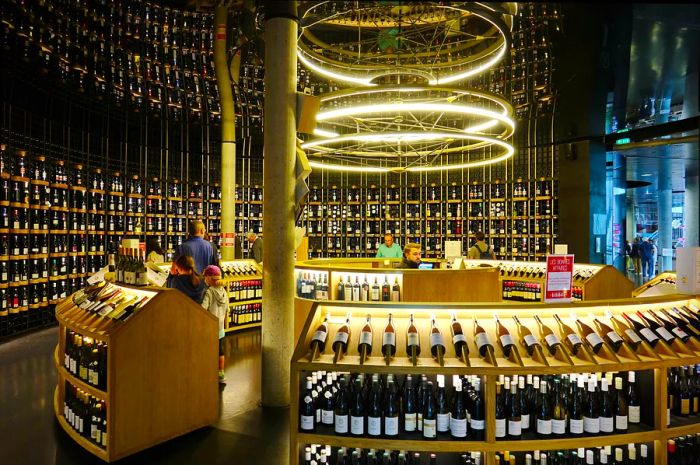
(320, 336)
(327, 417)
(515, 427)
(375, 294)
(93, 377)
(478, 425)
(544, 426)
(664, 333)
(481, 340)
(419, 421)
(614, 337)
(530, 340)
(429, 428)
(500, 427)
(410, 422)
(93, 431)
(66, 360)
(648, 334)
(341, 424)
(436, 339)
(593, 339)
(525, 421)
(591, 425)
(458, 427)
(443, 422)
(551, 339)
(558, 426)
(357, 425)
(621, 422)
(341, 337)
(366, 337)
(391, 426)
(307, 422)
(457, 338)
(374, 426)
(685, 406)
(575, 426)
(507, 340)
(607, 424)
(574, 339)
(412, 339)
(389, 339)
(73, 366)
(679, 332)
(395, 295)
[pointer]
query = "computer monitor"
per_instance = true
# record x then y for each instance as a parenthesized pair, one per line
(425, 266)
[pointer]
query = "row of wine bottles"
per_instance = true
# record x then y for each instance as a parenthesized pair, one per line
(130, 266)
(315, 286)
(239, 269)
(651, 326)
(245, 290)
(86, 358)
(358, 405)
(244, 314)
(633, 454)
(86, 414)
(109, 301)
(684, 450)
(683, 390)
(566, 406)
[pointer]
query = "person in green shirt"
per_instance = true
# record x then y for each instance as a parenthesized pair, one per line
(389, 249)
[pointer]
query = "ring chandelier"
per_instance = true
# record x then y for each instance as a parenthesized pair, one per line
(395, 128)
(436, 43)
(400, 116)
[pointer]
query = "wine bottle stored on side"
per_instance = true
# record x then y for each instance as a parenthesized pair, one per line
(340, 342)
(482, 340)
(594, 341)
(550, 339)
(570, 338)
(364, 345)
(318, 340)
(645, 332)
(609, 335)
(412, 341)
(528, 341)
(628, 333)
(459, 340)
(437, 343)
(505, 340)
(389, 341)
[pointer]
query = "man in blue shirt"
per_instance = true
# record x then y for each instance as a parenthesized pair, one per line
(389, 249)
(196, 247)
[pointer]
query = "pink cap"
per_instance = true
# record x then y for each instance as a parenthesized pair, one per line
(212, 270)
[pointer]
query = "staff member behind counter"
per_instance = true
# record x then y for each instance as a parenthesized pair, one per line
(411, 256)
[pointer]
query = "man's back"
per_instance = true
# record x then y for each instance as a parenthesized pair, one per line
(200, 250)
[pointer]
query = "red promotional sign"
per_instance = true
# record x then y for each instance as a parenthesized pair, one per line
(228, 239)
(559, 278)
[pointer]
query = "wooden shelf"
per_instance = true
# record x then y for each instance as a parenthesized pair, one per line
(84, 443)
(241, 327)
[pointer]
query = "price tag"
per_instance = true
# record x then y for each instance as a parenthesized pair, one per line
(156, 278)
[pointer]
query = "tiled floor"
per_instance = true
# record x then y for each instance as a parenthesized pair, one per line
(29, 434)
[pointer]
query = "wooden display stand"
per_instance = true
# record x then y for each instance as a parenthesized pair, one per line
(161, 371)
(654, 362)
(662, 284)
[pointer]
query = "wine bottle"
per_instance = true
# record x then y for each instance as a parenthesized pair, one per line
(340, 342)
(364, 346)
(307, 412)
(501, 414)
(550, 339)
(389, 341)
(477, 415)
(591, 415)
(607, 413)
(412, 341)
(429, 413)
(386, 290)
(396, 291)
(391, 412)
(340, 290)
(374, 410)
(459, 340)
(645, 332)
(442, 424)
(633, 406)
(576, 408)
(515, 427)
(357, 411)
(655, 326)
(481, 340)
(558, 410)
(437, 343)
(342, 410)
(526, 338)
(409, 406)
(458, 413)
(571, 339)
(327, 402)
(544, 414)
(670, 327)
(375, 291)
(594, 341)
(609, 335)
(318, 340)
(524, 405)
(505, 340)
(356, 289)
(621, 410)
(627, 332)
(364, 292)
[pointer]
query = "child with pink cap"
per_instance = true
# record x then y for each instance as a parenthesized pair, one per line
(215, 301)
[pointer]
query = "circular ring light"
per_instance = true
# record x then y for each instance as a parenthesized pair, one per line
(419, 128)
(434, 43)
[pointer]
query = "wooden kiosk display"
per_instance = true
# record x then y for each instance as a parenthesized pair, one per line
(626, 353)
(160, 377)
(662, 284)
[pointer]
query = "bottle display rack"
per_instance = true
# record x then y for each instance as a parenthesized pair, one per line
(114, 392)
(594, 341)
(661, 284)
(243, 281)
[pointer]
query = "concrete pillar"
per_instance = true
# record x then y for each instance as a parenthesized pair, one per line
(691, 206)
(228, 134)
(665, 205)
(278, 206)
(619, 211)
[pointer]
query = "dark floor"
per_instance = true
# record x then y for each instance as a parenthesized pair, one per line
(29, 434)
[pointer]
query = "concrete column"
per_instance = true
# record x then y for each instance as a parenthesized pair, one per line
(665, 205)
(228, 133)
(619, 211)
(278, 206)
(691, 206)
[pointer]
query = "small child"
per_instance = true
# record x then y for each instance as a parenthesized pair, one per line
(215, 301)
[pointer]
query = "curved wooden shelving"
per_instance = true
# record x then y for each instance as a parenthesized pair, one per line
(84, 443)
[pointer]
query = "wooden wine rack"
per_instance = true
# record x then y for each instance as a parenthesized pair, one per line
(658, 285)
(257, 300)
(656, 361)
(148, 398)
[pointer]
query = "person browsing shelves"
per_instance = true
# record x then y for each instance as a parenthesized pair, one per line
(201, 250)
(481, 250)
